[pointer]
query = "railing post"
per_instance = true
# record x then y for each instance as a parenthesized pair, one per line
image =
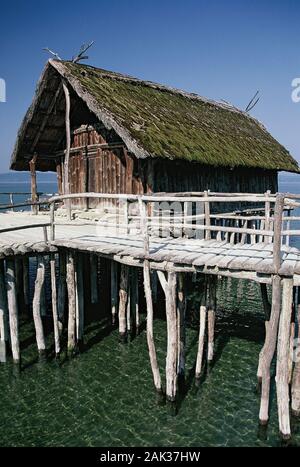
(267, 215)
(279, 204)
(11, 198)
(144, 225)
(207, 216)
(52, 218)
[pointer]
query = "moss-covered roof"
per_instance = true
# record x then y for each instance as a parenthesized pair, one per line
(158, 121)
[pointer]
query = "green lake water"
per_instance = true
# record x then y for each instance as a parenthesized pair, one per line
(105, 395)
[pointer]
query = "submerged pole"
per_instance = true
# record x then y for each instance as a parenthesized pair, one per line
(94, 278)
(211, 316)
(172, 346)
(71, 303)
(3, 316)
(61, 292)
(37, 305)
(114, 290)
(123, 296)
(282, 367)
(296, 372)
(181, 310)
(150, 334)
(54, 306)
(79, 298)
(12, 309)
(203, 311)
(267, 353)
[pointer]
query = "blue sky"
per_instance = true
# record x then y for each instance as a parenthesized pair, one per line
(219, 49)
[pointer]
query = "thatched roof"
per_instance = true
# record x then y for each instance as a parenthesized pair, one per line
(152, 120)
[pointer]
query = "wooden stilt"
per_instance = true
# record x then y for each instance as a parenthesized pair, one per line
(61, 293)
(3, 316)
(129, 306)
(123, 301)
(94, 278)
(79, 298)
(203, 311)
(25, 261)
(181, 309)
(36, 306)
(171, 360)
(71, 302)
(54, 305)
(282, 376)
(211, 316)
(291, 351)
(296, 373)
(114, 290)
(12, 309)
(150, 335)
(267, 353)
(135, 298)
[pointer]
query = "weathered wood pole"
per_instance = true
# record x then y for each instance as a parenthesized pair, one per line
(203, 311)
(79, 298)
(37, 305)
(296, 372)
(268, 350)
(12, 309)
(171, 360)
(211, 316)
(129, 305)
(25, 261)
(68, 147)
(71, 303)
(135, 298)
(3, 316)
(123, 296)
(181, 310)
(150, 335)
(114, 290)
(61, 293)
(291, 351)
(54, 305)
(34, 196)
(282, 367)
(94, 278)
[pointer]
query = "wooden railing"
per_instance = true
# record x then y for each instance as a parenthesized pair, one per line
(196, 216)
(12, 195)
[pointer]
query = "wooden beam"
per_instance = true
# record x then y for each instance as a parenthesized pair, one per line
(34, 196)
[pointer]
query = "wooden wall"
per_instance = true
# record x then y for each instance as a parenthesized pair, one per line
(100, 163)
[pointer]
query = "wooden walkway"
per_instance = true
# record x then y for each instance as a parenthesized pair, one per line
(245, 236)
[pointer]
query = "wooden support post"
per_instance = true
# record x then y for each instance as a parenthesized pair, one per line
(94, 278)
(25, 261)
(3, 316)
(123, 296)
(54, 306)
(207, 216)
(12, 309)
(171, 360)
(267, 353)
(181, 309)
(277, 232)
(37, 305)
(203, 311)
(211, 316)
(72, 303)
(128, 307)
(282, 370)
(68, 147)
(114, 290)
(61, 293)
(150, 335)
(296, 373)
(79, 298)
(34, 196)
(135, 298)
